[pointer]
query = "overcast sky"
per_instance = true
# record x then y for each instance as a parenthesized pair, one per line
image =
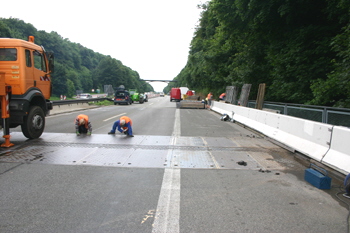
(151, 37)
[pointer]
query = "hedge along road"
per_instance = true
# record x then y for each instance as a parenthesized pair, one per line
(184, 171)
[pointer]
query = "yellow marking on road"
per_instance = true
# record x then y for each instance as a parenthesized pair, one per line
(150, 214)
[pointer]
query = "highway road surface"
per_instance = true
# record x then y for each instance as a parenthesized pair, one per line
(184, 171)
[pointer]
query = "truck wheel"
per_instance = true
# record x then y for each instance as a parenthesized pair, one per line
(34, 123)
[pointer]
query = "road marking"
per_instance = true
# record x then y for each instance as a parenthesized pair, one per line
(177, 124)
(62, 114)
(114, 117)
(167, 217)
(168, 210)
(217, 165)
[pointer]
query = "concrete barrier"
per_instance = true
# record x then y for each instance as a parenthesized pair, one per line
(338, 156)
(308, 137)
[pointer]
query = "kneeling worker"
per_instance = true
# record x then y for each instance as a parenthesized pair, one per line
(83, 125)
(124, 126)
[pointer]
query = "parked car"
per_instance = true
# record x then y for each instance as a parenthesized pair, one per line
(122, 97)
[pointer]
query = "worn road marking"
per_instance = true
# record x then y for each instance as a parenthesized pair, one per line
(168, 210)
(167, 217)
(114, 116)
(177, 125)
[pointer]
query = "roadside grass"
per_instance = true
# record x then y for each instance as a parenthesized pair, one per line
(99, 103)
(102, 103)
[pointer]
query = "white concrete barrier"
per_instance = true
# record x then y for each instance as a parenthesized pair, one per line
(308, 137)
(338, 157)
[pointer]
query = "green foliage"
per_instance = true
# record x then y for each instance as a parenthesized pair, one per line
(76, 67)
(103, 103)
(299, 48)
(70, 88)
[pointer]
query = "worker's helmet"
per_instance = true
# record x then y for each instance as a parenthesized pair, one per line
(122, 122)
(81, 121)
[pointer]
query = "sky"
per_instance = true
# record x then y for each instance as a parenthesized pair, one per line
(151, 37)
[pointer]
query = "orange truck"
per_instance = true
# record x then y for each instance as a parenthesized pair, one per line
(25, 85)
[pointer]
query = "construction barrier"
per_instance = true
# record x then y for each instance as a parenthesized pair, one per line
(322, 142)
(338, 156)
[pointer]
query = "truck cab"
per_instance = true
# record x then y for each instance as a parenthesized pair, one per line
(26, 69)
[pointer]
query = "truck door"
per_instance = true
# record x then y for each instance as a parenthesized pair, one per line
(41, 79)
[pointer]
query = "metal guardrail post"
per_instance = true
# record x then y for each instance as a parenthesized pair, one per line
(328, 115)
(324, 116)
(285, 111)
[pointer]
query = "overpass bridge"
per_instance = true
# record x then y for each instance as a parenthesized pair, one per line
(156, 80)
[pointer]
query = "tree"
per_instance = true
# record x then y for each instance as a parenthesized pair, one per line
(70, 88)
(82, 66)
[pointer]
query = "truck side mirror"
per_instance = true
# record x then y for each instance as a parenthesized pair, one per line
(51, 62)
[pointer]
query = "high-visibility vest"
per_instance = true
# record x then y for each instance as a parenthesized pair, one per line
(126, 119)
(85, 117)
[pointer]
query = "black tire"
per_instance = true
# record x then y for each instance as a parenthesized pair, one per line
(34, 123)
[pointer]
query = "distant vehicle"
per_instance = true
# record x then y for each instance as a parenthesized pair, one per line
(161, 94)
(136, 97)
(184, 90)
(122, 96)
(175, 94)
(189, 93)
(84, 96)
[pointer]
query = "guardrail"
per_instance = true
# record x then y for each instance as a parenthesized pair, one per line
(328, 115)
(75, 101)
(66, 102)
(325, 143)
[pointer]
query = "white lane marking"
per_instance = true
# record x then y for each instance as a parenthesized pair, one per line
(167, 217)
(168, 210)
(217, 165)
(62, 114)
(93, 151)
(177, 124)
(114, 117)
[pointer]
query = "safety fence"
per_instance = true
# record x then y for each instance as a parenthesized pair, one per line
(328, 115)
(325, 143)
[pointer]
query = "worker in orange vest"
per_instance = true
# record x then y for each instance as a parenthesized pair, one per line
(124, 125)
(222, 96)
(209, 99)
(83, 125)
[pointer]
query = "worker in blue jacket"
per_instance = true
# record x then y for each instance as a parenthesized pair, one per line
(124, 125)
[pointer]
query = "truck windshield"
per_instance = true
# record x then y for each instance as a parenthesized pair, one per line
(8, 54)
